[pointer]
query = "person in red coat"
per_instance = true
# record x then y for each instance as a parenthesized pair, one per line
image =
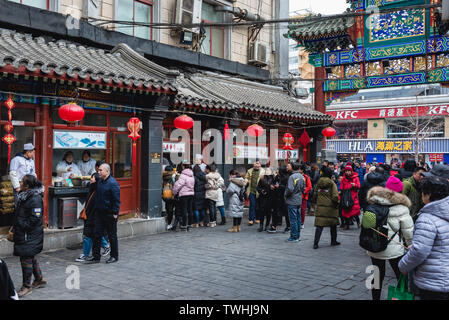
(305, 196)
(351, 181)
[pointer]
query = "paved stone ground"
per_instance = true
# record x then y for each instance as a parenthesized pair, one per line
(210, 263)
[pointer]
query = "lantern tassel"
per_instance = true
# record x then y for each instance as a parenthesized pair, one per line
(134, 153)
(9, 153)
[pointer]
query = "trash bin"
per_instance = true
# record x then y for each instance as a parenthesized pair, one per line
(67, 212)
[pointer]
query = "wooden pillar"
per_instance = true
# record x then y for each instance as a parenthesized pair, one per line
(46, 153)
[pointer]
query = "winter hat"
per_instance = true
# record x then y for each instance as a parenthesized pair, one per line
(372, 169)
(348, 167)
(394, 184)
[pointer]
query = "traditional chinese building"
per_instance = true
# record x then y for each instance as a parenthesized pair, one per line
(378, 44)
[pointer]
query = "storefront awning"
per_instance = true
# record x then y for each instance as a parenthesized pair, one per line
(226, 93)
(121, 67)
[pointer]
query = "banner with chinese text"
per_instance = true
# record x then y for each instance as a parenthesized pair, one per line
(437, 145)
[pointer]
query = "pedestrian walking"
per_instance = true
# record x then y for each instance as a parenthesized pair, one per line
(89, 222)
(411, 187)
(7, 290)
(283, 210)
(373, 179)
(21, 165)
(199, 198)
(314, 177)
(428, 257)
(167, 192)
(212, 187)
(326, 198)
(350, 183)
(220, 201)
(307, 191)
(391, 202)
(107, 207)
(252, 178)
(29, 232)
(265, 199)
(293, 198)
(236, 202)
(184, 188)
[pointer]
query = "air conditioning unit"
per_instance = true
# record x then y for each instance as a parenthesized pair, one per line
(188, 12)
(257, 55)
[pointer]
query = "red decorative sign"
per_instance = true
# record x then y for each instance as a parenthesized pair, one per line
(436, 157)
(393, 112)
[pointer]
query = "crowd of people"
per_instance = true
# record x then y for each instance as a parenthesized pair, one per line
(411, 203)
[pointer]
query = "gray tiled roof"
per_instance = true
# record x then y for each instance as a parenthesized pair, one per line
(316, 29)
(234, 94)
(120, 66)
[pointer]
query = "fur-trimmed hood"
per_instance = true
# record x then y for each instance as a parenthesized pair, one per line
(387, 197)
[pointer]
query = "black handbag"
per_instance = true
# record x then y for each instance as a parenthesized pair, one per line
(346, 199)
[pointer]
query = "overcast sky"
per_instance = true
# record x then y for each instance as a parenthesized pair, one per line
(320, 6)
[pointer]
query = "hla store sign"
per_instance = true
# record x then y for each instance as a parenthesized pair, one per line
(388, 146)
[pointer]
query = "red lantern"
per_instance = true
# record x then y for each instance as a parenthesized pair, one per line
(71, 112)
(304, 140)
(329, 132)
(255, 130)
(9, 139)
(288, 140)
(226, 135)
(134, 128)
(183, 122)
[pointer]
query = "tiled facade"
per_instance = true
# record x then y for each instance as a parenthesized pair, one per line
(235, 43)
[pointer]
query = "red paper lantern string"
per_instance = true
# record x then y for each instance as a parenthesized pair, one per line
(134, 128)
(255, 130)
(183, 122)
(329, 132)
(9, 139)
(71, 112)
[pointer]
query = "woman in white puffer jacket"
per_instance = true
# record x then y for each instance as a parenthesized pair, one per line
(399, 224)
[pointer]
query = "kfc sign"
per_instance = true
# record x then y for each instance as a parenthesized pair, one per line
(396, 112)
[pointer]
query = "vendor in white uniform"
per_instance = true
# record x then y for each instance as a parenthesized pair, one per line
(67, 168)
(21, 165)
(87, 165)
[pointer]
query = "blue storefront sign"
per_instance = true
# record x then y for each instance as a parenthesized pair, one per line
(383, 146)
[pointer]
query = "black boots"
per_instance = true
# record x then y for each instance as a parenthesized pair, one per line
(223, 221)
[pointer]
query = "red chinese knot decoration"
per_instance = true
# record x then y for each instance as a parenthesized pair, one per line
(255, 130)
(329, 132)
(183, 122)
(304, 140)
(9, 139)
(71, 113)
(288, 140)
(134, 128)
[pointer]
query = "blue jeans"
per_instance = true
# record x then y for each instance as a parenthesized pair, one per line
(88, 242)
(199, 215)
(252, 206)
(294, 214)
(222, 211)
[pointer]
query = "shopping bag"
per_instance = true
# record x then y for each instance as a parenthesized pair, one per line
(400, 292)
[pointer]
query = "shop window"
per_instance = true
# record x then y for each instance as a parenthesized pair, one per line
(20, 114)
(42, 4)
(214, 41)
(351, 130)
(58, 155)
(122, 156)
(166, 133)
(23, 135)
(96, 120)
(119, 122)
(134, 11)
(406, 128)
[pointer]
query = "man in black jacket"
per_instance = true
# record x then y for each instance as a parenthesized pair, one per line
(107, 205)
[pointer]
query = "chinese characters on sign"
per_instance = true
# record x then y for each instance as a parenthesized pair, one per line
(394, 112)
(394, 145)
(436, 157)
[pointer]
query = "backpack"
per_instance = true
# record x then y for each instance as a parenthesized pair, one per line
(375, 217)
(346, 199)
